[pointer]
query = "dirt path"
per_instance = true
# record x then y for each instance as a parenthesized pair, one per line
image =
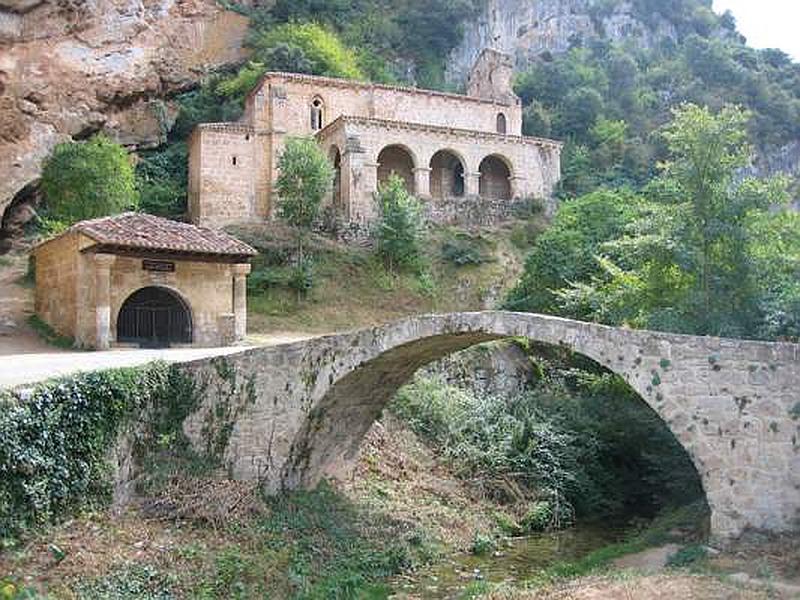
(16, 306)
(21, 368)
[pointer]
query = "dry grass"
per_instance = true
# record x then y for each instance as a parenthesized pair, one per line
(398, 474)
(354, 290)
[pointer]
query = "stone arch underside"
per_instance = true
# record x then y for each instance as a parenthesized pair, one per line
(396, 160)
(495, 180)
(728, 402)
(447, 175)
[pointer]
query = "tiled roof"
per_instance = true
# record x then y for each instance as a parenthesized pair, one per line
(148, 232)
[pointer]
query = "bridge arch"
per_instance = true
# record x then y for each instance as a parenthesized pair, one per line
(732, 404)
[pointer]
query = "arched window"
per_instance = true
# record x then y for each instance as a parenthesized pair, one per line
(501, 123)
(317, 114)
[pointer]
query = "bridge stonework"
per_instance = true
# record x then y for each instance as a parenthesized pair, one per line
(291, 415)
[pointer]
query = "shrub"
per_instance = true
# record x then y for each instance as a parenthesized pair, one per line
(482, 544)
(463, 250)
(54, 441)
(399, 231)
(88, 180)
(687, 555)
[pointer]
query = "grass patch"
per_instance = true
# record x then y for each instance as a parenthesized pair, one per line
(50, 335)
(656, 533)
(352, 287)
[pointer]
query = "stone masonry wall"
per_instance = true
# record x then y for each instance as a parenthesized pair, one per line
(223, 176)
(349, 98)
(56, 290)
(206, 288)
(734, 405)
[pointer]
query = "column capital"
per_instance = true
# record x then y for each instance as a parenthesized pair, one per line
(422, 169)
(104, 260)
(241, 269)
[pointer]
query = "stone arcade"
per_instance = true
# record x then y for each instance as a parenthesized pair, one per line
(143, 280)
(463, 155)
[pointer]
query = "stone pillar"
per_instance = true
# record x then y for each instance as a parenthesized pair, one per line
(102, 300)
(472, 184)
(240, 272)
(366, 209)
(518, 186)
(422, 182)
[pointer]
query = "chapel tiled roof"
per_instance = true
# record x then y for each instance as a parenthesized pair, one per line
(139, 231)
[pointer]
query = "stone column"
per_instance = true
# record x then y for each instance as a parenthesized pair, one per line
(422, 182)
(518, 186)
(240, 273)
(366, 209)
(472, 184)
(102, 300)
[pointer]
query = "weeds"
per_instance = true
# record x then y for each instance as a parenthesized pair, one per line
(48, 334)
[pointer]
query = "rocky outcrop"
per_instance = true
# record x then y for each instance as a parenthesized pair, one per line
(779, 161)
(525, 29)
(69, 68)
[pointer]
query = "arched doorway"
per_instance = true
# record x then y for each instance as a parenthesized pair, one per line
(396, 160)
(154, 317)
(447, 175)
(495, 181)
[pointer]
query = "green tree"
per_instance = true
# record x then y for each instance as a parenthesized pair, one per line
(706, 151)
(686, 263)
(567, 250)
(88, 180)
(304, 177)
(399, 231)
(318, 47)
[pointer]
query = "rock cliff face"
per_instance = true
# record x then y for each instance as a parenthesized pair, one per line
(69, 68)
(527, 28)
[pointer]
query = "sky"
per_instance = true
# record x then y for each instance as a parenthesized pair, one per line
(766, 23)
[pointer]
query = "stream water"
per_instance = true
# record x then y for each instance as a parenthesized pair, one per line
(515, 561)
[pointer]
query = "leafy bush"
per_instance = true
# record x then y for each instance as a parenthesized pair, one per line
(580, 442)
(88, 180)
(129, 582)
(54, 440)
(462, 250)
(482, 544)
(687, 555)
(398, 234)
(567, 250)
(539, 516)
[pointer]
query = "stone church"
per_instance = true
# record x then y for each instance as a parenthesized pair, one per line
(464, 156)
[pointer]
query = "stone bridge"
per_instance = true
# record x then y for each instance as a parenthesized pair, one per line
(291, 415)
